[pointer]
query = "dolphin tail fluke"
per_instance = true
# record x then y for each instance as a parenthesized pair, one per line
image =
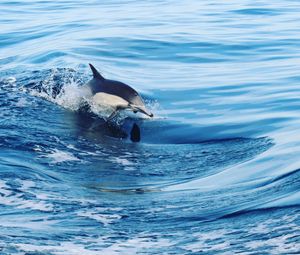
(135, 134)
(96, 74)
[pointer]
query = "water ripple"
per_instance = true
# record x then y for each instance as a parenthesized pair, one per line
(217, 169)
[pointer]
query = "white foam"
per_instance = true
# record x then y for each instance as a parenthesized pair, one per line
(135, 246)
(105, 219)
(42, 196)
(22, 102)
(36, 205)
(18, 202)
(62, 249)
(27, 184)
(10, 198)
(10, 80)
(261, 228)
(125, 163)
(204, 239)
(4, 190)
(276, 245)
(72, 96)
(58, 156)
(37, 148)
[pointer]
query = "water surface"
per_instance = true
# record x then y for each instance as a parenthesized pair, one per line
(217, 169)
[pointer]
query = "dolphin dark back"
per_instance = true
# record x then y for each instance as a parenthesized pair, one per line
(116, 88)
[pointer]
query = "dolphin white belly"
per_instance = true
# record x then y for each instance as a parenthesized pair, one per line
(107, 105)
(109, 100)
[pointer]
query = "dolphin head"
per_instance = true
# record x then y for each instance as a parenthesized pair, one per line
(119, 89)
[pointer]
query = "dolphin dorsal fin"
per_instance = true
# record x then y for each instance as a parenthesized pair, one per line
(96, 74)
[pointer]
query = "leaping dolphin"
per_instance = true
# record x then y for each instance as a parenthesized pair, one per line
(115, 94)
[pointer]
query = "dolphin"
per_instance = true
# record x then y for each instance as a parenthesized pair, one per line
(115, 94)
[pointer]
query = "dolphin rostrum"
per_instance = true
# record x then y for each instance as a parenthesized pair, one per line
(115, 94)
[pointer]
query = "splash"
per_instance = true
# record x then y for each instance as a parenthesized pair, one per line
(58, 156)
(62, 87)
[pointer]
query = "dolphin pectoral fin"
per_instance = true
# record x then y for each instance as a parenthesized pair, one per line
(96, 74)
(113, 115)
(116, 111)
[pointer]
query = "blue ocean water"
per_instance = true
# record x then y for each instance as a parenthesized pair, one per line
(217, 169)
